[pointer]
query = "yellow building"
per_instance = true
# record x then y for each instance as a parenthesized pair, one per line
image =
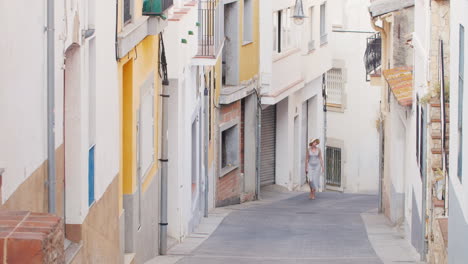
(140, 85)
(238, 108)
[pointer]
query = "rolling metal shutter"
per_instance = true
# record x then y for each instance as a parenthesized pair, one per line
(268, 146)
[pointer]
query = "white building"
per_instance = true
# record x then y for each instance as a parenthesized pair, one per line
(86, 100)
(186, 132)
(291, 74)
(458, 179)
(403, 118)
(352, 103)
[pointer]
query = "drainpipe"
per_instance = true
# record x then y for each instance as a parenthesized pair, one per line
(381, 123)
(164, 152)
(51, 106)
(206, 139)
(324, 157)
(259, 148)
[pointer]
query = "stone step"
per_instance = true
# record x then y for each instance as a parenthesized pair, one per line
(438, 151)
(71, 250)
(438, 120)
(438, 135)
(129, 258)
(437, 105)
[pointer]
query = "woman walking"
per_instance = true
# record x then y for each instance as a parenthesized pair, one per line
(314, 166)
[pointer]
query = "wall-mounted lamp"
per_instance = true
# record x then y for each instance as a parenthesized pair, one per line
(298, 15)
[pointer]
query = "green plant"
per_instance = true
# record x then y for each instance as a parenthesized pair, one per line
(435, 93)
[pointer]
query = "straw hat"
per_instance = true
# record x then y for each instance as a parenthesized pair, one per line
(313, 140)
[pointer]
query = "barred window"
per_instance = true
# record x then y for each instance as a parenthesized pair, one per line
(335, 87)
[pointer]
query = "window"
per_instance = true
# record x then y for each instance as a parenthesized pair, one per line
(461, 69)
(276, 31)
(229, 149)
(323, 24)
(127, 11)
(335, 87)
(311, 29)
(282, 31)
(286, 30)
(417, 127)
(146, 129)
(248, 21)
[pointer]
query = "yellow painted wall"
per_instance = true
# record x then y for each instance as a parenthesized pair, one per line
(250, 53)
(134, 69)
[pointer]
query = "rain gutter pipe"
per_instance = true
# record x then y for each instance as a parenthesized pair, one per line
(51, 177)
(206, 139)
(164, 150)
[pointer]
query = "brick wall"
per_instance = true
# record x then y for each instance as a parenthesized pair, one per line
(27, 237)
(228, 189)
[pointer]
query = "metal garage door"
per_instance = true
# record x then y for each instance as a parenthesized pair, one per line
(268, 147)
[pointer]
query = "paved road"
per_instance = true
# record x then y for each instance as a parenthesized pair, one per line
(295, 230)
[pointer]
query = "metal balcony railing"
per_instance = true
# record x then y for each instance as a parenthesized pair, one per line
(156, 7)
(211, 32)
(373, 54)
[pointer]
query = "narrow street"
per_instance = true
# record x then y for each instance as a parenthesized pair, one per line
(290, 228)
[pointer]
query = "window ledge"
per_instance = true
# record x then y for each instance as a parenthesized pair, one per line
(285, 54)
(135, 32)
(226, 170)
(311, 51)
(335, 108)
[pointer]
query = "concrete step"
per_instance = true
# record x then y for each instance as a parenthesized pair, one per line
(129, 258)
(71, 250)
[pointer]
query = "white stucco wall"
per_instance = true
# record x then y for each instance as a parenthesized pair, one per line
(356, 126)
(458, 218)
(23, 97)
(184, 108)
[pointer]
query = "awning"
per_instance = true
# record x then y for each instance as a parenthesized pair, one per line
(400, 80)
(382, 7)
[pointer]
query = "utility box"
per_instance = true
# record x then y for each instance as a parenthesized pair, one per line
(156, 7)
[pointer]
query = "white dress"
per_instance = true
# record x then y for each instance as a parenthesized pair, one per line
(314, 169)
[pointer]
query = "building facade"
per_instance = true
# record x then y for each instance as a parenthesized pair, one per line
(292, 69)
(139, 67)
(187, 183)
(457, 187)
(352, 103)
(82, 86)
(236, 177)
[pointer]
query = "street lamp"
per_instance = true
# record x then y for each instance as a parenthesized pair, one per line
(298, 15)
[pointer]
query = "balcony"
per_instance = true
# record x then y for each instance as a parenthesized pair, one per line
(156, 7)
(211, 32)
(373, 55)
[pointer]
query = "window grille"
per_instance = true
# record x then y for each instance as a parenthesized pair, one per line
(335, 87)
